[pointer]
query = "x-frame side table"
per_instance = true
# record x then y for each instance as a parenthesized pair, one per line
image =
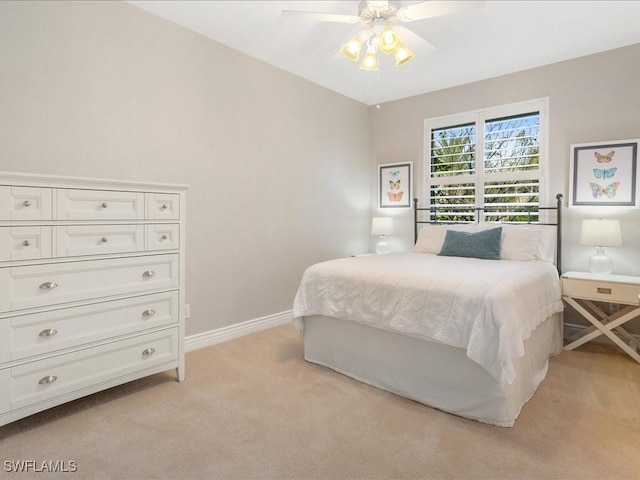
(581, 290)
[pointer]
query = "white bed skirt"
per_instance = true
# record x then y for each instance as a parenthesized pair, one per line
(431, 373)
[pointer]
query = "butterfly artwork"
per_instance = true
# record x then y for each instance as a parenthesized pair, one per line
(395, 197)
(604, 172)
(394, 185)
(604, 158)
(608, 191)
(392, 194)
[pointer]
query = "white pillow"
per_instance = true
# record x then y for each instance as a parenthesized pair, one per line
(526, 242)
(519, 242)
(431, 236)
(548, 242)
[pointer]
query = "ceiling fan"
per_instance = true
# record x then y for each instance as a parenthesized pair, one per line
(380, 20)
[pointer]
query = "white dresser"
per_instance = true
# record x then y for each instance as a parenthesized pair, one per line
(91, 287)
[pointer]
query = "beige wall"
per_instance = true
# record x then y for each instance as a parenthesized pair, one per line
(282, 172)
(278, 167)
(591, 99)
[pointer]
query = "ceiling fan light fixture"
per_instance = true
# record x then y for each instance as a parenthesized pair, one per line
(380, 20)
(403, 55)
(389, 41)
(370, 61)
(352, 48)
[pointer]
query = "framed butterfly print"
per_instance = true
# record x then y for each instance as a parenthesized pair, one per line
(394, 185)
(604, 173)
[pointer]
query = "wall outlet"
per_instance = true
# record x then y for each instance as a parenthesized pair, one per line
(187, 311)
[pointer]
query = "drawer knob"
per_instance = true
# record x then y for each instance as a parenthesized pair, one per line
(26, 243)
(164, 237)
(49, 332)
(149, 274)
(26, 203)
(164, 206)
(149, 313)
(48, 285)
(47, 380)
(104, 205)
(148, 351)
(104, 239)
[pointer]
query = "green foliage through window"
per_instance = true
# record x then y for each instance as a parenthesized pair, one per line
(493, 164)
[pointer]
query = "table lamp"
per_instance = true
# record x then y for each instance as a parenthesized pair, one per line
(601, 233)
(382, 226)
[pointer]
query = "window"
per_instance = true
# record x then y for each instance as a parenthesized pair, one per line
(494, 159)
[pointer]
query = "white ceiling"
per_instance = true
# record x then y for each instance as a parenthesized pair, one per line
(500, 38)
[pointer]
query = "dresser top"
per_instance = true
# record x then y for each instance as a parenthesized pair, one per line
(629, 279)
(30, 179)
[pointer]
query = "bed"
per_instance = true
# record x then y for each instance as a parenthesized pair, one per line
(465, 322)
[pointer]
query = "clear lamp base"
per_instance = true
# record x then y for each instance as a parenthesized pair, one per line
(600, 263)
(382, 246)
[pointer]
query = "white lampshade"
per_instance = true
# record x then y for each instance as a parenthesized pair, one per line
(601, 232)
(382, 226)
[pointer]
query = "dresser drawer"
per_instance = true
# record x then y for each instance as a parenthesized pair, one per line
(99, 205)
(24, 243)
(45, 379)
(163, 236)
(77, 240)
(25, 203)
(163, 206)
(601, 290)
(56, 283)
(46, 332)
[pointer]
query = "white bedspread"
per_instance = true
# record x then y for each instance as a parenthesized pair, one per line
(488, 307)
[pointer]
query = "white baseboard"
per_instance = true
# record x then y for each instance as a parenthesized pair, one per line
(224, 334)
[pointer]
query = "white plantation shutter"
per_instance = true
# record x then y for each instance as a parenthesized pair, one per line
(492, 159)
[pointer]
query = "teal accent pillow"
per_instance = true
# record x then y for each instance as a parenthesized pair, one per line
(484, 244)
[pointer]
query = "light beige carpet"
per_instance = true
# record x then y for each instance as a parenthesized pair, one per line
(252, 408)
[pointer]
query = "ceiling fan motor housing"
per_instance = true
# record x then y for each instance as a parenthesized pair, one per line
(377, 12)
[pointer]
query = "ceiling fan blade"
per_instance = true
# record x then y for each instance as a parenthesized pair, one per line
(414, 40)
(436, 8)
(322, 17)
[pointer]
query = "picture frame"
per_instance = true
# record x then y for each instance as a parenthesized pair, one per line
(604, 174)
(395, 185)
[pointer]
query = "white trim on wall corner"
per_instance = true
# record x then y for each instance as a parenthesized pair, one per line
(224, 334)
